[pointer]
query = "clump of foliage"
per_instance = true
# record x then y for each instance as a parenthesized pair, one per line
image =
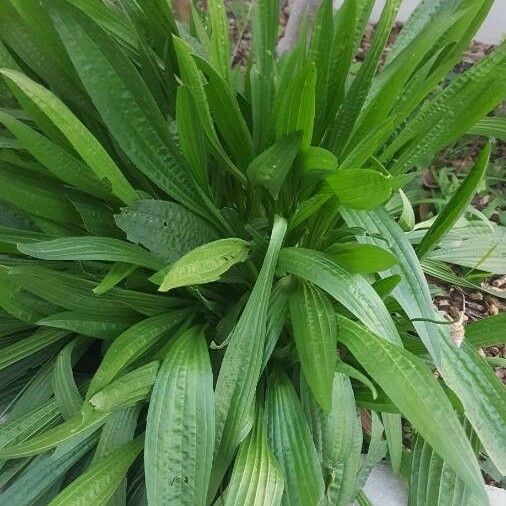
(200, 282)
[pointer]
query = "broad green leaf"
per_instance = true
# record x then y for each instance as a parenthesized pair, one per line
(76, 427)
(57, 160)
(42, 473)
(35, 194)
(270, 168)
(360, 188)
(66, 392)
(489, 331)
(491, 126)
(242, 364)
(131, 345)
(351, 290)
(361, 258)
(91, 248)
(91, 324)
(180, 424)
(393, 433)
(76, 133)
(337, 436)
(297, 106)
(135, 121)
(476, 386)
(314, 333)
(32, 344)
(291, 442)
(416, 392)
(99, 483)
(220, 43)
(456, 206)
(127, 389)
(166, 229)
(256, 478)
(204, 264)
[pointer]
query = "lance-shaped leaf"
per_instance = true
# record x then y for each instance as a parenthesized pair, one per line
(76, 133)
(314, 332)
(351, 290)
(290, 439)
(415, 391)
(361, 258)
(126, 390)
(456, 206)
(91, 248)
(180, 424)
(99, 483)
(204, 264)
(131, 345)
(220, 42)
(242, 364)
(360, 188)
(270, 168)
(256, 479)
(337, 436)
(477, 387)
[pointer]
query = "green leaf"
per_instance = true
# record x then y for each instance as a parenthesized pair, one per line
(314, 333)
(56, 159)
(66, 393)
(291, 442)
(256, 478)
(491, 126)
(135, 121)
(360, 188)
(456, 206)
(127, 389)
(22, 348)
(361, 258)
(417, 394)
(166, 229)
(270, 168)
(337, 436)
(117, 273)
(297, 106)
(81, 139)
(180, 424)
(131, 345)
(489, 331)
(73, 428)
(220, 42)
(101, 326)
(350, 290)
(242, 364)
(91, 248)
(475, 384)
(99, 483)
(204, 264)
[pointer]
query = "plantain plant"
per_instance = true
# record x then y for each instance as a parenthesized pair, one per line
(206, 295)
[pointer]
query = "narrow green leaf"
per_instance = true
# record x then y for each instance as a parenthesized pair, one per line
(180, 424)
(127, 389)
(100, 482)
(220, 42)
(314, 332)
(76, 133)
(351, 290)
(91, 248)
(290, 439)
(491, 126)
(132, 344)
(242, 364)
(117, 273)
(417, 394)
(489, 331)
(256, 479)
(456, 206)
(270, 168)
